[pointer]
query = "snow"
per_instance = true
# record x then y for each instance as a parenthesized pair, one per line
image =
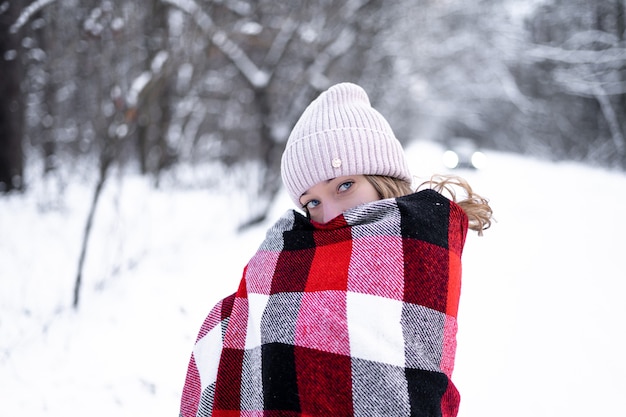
(137, 87)
(540, 320)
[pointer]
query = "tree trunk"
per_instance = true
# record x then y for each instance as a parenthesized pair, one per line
(620, 19)
(154, 112)
(11, 103)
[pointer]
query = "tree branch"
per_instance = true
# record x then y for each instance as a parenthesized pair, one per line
(611, 118)
(255, 76)
(279, 46)
(569, 56)
(26, 14)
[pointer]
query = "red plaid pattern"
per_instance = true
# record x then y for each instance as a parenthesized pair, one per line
(356, 317)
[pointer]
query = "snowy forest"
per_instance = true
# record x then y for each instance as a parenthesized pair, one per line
(157, 85)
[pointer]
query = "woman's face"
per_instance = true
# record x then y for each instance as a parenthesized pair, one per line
(328, 199)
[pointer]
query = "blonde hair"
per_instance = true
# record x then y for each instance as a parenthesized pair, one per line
(389, 187)
(477, 208)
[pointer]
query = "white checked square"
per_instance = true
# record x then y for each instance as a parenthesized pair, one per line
(205, 352)
(256, 307)
(375, 329)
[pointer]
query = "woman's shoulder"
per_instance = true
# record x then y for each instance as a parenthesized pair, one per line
(434, 210)
(430, 198)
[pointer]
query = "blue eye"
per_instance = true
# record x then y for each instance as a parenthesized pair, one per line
(345, 186)
(311, 204)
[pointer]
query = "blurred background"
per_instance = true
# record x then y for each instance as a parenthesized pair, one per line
(157, 85)
(140, 146)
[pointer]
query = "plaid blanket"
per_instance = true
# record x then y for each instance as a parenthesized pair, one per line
(353, 317)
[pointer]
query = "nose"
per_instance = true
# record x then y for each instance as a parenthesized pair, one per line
(331, 210)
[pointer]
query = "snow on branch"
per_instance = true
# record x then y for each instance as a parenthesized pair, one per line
(569, 56)
(612, 119)
(343, 43)
(137, 86)
(158, 62)
(350, 7)
(26, 14)
(255, 76)
(325, 58)
(587, 37)
(280, 43)
(587, 83)
(141, 83)
(192, 8)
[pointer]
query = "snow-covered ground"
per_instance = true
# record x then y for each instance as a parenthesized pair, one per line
(541, 319)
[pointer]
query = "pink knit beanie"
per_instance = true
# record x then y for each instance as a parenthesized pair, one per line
(340, 134)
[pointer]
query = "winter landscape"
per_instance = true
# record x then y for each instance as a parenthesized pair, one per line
(541, 317)
(200, 97)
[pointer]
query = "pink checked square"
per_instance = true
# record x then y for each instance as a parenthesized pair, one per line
(322, 322)
(235, 337)
(378, 268)
(212, 320)
(260, 270)
(449, 346)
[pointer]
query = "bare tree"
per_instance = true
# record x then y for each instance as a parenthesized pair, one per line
(132, 94)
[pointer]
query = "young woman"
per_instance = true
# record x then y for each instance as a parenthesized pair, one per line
(351, 308)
